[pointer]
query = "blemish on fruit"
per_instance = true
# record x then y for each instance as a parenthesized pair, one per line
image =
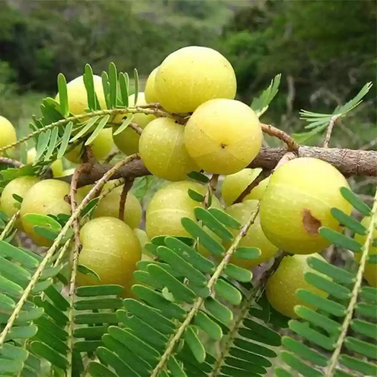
(311, 224)
(223, 145)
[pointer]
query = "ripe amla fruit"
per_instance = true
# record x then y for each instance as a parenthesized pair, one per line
(109, 207)
(298, 201)
(169, 205)
(254, 236)
(19, 186)
(191, 76)
(56, 166)
(128, 140)
(370, 272)
(77, 95)
(223, 136)
(111, 249)
(7, 133)
(46, 197)
(101, 146)
(288, 278)
(235, 184)
(163, 151)
(150, 87)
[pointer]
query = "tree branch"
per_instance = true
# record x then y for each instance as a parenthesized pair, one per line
(283, 136)
(347, 161)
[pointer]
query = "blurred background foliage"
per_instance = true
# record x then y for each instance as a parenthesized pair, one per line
(325, 50)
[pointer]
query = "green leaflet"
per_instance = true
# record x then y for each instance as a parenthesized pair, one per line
(113, 85)
(101, 125)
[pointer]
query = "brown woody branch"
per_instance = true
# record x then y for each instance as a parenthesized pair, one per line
(347, 161)
(283, 136)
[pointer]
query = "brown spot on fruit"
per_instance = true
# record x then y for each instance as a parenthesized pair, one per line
(311, 224)
(223, 145)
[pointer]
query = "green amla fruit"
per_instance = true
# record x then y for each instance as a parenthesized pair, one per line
(7, 132)
(111, 249)
(163, 151)
(282, 286)
(169, 205)
(47, 197)
(19, 186)
(223, 136)
(191, 76)
(298, 201)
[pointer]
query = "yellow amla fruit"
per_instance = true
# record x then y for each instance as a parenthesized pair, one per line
(370, 272)
(163, 151)
(109, 207)
(150, 87)
(101, 147)
(223, 136)
(46, 197)
(288, 278)
(111, 249)
(143, 239)
(169, 205)
(77, 95)
(254, 236)
(191, 76)
(7, 133)
(56, 166)
(19, 186)
(298, 201)
(128, 140)
(235, 184)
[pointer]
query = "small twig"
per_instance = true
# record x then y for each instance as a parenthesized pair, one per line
(262, 175)
(136, 128)
(287, 157)
(200, 300)
(9, 225)
(123, 197)
(329, 131)
(254, 296)
(111, 156)
(333, 362)
(11, 162)
(283, 136)
(72, 198)
(211, 189)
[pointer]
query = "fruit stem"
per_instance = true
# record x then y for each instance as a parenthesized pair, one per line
(329, 131)
(55, 246)
(355, 291)
(199, 301)
(261, 176)
(123, 197)
(283, 136)
(212, 186)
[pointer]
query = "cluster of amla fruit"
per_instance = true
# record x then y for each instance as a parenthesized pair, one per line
(220, 136)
